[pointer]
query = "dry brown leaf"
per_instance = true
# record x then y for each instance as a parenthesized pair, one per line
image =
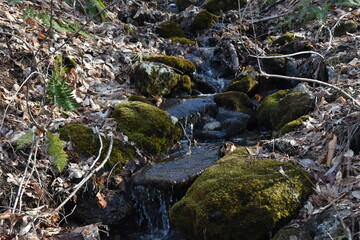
(101, 201)
(331, 150)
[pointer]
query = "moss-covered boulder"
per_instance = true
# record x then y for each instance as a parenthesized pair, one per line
(290, 126)
(184, 66)
(170, 29)
(344, 27)
(202, 21)
(181, 40)
(234, 101)
(149, 127)
(245, 84)
(154, 79)
(87, 144)
(214, 6)
(284, 106)
(285, 38)
(240, 198)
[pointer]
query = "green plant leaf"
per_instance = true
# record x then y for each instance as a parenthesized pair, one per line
(348, 3)
(56, 150)
(13, 2)
(25, 139)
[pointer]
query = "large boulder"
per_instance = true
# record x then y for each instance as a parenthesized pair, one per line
(234, 101)
(184, 66)
(240, 198)
(148, 126)
(154, 79)
(284, 106)
(202, 21)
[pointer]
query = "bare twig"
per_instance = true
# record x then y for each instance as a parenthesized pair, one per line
(91, 173)
(355, 102)
(20, 190)
(289, 55)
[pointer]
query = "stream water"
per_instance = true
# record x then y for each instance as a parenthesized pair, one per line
(156, 189)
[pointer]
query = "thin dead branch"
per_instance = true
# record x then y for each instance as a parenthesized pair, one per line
(91, 173)
(354, 101)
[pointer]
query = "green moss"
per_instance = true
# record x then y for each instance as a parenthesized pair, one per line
(290, 126)
(184, 66)
(170, 29)
(245, 84)
(280, 108)
(154, 79)
(235, 101)
(267, 107)
(129, 29)
(182, 40)
(141, 99)
(240, 198)
(148, 126)
(214, 6)
(348, 26)
(285, 38)
(291, 107)
(87, 144)
(203, 21)
(296, 46)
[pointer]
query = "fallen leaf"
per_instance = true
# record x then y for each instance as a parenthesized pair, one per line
(101, 201)
(331, 150)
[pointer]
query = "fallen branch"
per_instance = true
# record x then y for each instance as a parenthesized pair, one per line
(289, 55)
(355, 102)
(85, 179)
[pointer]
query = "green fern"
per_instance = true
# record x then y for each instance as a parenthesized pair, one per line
(58, 90)
(56, 150)
(25, 139)
(60, 93)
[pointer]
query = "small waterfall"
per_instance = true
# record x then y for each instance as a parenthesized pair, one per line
(152, 206)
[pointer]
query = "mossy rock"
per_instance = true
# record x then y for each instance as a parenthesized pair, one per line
(170, 29)
(214, 6)
(348, 26)
(290, 126)
(275, 65)
(285, 38)
(182, 40)
(203, 21)
(142, 99)
(154, 79)
(240, 198)
(184, 66)
(234, 101)
(267, 107)
(148, 126)
(283, 107)
(245, 84)
(87, 144)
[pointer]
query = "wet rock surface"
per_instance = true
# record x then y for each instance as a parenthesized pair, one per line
(178, 172)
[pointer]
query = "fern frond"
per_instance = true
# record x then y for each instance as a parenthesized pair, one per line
(56, 150)
(60, 93)
(25, 139)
